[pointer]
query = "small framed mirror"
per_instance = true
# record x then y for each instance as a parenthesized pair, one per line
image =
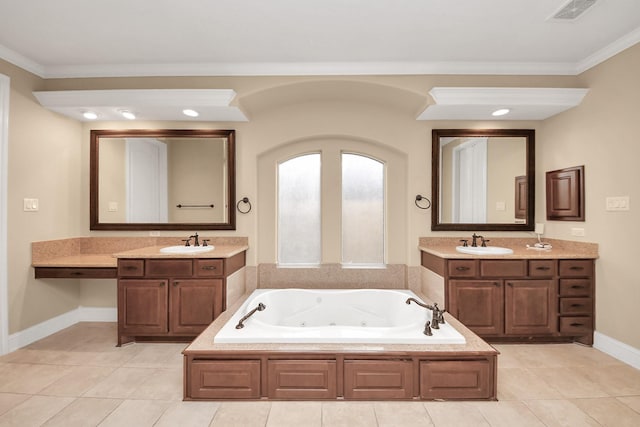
(162, 179)
(483, 179)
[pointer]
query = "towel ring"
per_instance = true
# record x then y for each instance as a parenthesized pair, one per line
(419, 198)
(246, 201)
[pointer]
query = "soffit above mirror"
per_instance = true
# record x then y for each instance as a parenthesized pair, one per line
(478, 103)
(212, 105)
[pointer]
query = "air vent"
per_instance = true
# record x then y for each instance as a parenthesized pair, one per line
(573, 9)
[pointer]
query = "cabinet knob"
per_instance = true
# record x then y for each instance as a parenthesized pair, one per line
(176, 283)
(161, 284)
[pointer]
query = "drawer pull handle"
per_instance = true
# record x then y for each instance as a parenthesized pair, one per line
(209, 267)
(543, 268)
(131, 267)
(77, 273)
(462, 268)
(576, 324)
(577, 287)
(576, 268)
(577, 305)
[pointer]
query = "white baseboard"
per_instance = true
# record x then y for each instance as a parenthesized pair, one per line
(618, 349)
(58, 323)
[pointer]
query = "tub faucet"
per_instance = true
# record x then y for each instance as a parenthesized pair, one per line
(436, 317)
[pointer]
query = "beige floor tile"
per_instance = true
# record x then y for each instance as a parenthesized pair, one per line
(84, 412)
(295, 414)
(77, 381)
(138, 413)
(188, 414)
(231, 414)
(570, 382)
(508, 414)
(632, 402)
(615, 380)
(121, 384)
(163, 384)
(11, 400)
(159, 355)
(455, 414)
(348, 414)
(522, 384)
(560, 413)
(405, 414)
(609, 412)
(34, 411)
(30, 379)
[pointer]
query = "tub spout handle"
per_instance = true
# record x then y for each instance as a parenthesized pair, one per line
(260, 307)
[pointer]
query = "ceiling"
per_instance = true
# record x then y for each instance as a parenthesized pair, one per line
(80, 38)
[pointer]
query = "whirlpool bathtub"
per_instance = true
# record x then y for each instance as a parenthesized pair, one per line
(334, 316)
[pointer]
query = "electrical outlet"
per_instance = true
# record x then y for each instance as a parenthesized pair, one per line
(30, 205)
(154, 233)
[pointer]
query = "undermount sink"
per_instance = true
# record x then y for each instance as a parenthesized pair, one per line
(480, 250)
(186, 249)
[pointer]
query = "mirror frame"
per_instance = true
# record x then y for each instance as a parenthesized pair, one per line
(96, 134)
(436, 134)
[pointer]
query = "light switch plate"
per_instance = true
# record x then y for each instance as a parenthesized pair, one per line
(30, 205)
(577, 232)
(619, 203)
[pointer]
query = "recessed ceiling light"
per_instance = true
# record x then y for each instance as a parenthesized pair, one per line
(500, 112)
(127, 114)
(189, 112)
(89, 115)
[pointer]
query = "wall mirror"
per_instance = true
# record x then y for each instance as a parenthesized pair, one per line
(483, 179)
(162, 179)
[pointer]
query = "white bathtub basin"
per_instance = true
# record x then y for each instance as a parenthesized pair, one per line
(185, 250)
(378, 316)
(489, 250)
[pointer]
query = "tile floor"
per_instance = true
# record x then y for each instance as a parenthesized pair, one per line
(78, 377)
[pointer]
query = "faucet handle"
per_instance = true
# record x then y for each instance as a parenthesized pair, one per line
(204, 242)
(465, 242)
(484, 241)
(187, 242)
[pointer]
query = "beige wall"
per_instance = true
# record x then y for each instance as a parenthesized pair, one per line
(603, 134)
(49, 158)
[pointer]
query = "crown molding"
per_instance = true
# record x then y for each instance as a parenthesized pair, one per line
(608, 51)
(21, 61)
(147, 104)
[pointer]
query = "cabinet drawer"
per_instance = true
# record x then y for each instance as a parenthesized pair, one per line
(130, 267)
(576, 325)
(576, 305)
(503, 268)
(209, 267)
(456, 379)
(169, 268)
(378, 379)
(575, 288)
(576, 268)
(462, 268)
(225, 379)
(302, 379)
(542, 268)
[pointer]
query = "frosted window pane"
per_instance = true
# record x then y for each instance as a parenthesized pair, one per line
(299, 210)
(362, 210)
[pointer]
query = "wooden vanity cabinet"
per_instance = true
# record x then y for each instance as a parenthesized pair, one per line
(520, 299)
(171, 299)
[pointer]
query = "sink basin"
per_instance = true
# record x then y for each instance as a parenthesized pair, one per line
(489, 250)
(185, 250)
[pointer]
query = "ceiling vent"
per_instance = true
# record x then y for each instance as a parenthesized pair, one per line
(573, 9)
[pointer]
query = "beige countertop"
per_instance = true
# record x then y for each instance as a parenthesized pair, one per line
(103, 252)
(204, 342)
(154, 252)
(561, 249)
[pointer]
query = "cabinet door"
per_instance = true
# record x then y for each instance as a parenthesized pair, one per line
(530, 307)
(195, 303)
(477, 304)
(142, 306)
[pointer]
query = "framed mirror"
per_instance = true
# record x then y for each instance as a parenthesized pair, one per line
(162, 179)
(483, 179)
